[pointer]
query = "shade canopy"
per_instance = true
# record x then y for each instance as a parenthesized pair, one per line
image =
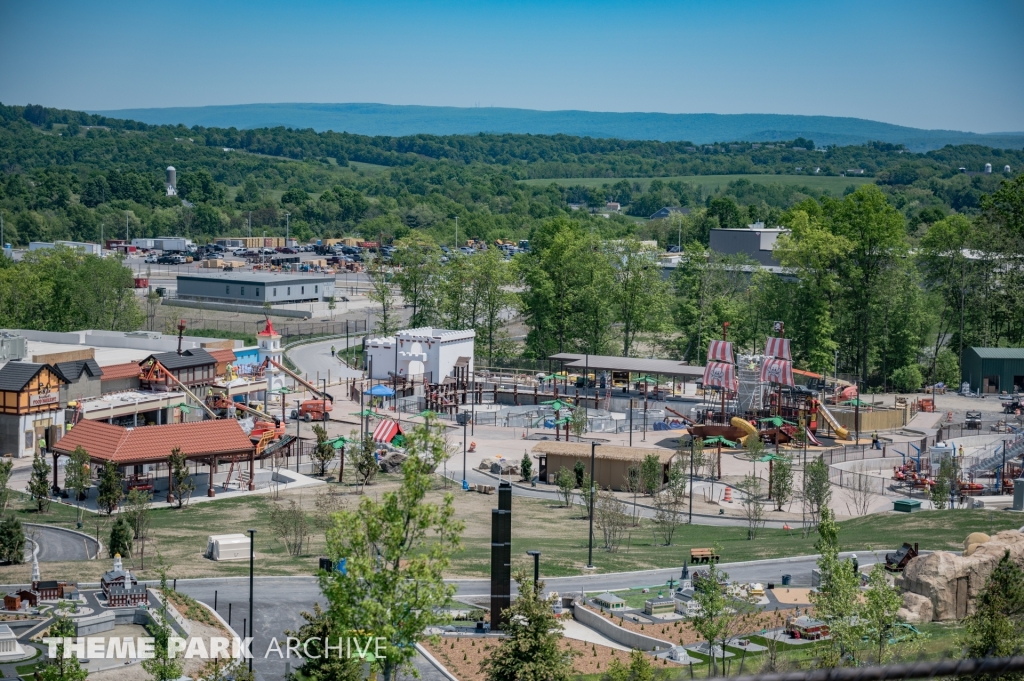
(380, 390)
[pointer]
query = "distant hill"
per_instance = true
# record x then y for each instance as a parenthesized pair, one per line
(386, 119)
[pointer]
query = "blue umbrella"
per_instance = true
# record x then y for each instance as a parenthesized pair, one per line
(380, 391)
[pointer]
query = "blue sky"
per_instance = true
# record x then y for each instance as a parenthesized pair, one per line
(954, 65)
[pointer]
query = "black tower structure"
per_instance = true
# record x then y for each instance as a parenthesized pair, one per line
(501, 556)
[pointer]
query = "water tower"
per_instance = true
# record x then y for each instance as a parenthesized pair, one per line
(172, 181)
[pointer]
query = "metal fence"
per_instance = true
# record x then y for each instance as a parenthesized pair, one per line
(290, 332)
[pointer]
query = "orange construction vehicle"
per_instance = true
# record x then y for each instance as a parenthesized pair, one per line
(312, 410)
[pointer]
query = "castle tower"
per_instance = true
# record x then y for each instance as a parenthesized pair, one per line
(117, 562)
(269, 347)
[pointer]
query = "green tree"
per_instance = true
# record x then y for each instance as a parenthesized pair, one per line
(753, 507)
(579, 471)
(182, 484)
(944, 484)
(396, 551)
(566, 483)
(77, 476)
(492, 279)
(526, 467)
(817, 489)
(651, 473)
(12, 540)
(882, 601)
(120, 543)
(531, 649)
(381, 294)
(639, 668)
(836, 600)
(418, 260)
(109, 492)
(320, 626)
(162, 667)
(323, 453)
(578, 421)
(61, 668)
(639, 294)
(715, 612)
(39, 483)
(876, 232)
(781, 482)
(996, 629)
(6, 468)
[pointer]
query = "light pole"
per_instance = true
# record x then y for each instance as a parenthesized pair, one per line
(324, 415)
(252, 561)
(536, 569)
(462, 418)
(287, 217)
(590, 549)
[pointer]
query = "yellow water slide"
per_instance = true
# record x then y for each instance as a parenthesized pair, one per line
(744, 425)
(841, 433)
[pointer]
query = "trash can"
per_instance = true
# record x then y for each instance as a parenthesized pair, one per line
(786, 579)
(161, 291)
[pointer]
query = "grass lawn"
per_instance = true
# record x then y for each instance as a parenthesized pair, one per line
(180, 536)
(833, 185)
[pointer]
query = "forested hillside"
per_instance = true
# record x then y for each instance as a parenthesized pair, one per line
(895, 275)
(67, 174)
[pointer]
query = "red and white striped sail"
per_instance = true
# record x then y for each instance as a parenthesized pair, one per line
(720, 351)
(778, 371)
(721, 374)
(778, 347)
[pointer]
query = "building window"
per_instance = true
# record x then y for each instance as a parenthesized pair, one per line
(303, 291)
(316, 289)
(275, 292)
(227, 290)
(289, 290)
(257, 293)
(243, 290)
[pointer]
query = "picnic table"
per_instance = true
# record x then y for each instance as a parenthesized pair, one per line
(704, 556)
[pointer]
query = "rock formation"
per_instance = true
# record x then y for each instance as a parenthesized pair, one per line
(951, 583)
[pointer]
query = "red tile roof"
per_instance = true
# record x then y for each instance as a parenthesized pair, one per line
(223, 355)
(117, 371)
(154, 443)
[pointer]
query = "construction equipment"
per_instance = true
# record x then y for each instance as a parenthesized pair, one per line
(157, 371)
(312, 410)
(972, 420)
(298, 379)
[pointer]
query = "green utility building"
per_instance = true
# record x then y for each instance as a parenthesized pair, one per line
(993, 370)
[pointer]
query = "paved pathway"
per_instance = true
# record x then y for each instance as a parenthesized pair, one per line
(57, 544)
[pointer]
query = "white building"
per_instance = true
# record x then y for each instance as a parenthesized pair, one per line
(429, 353)
(84, 247)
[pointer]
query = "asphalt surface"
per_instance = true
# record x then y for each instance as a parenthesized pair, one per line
(279, 601)
(56, 544)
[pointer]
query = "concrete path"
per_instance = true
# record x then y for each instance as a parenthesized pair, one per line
(57, 544)
(573, 629)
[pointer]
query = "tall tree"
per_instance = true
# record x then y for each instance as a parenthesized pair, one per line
(109, 492)
(39, 483)
(996, 629)
(836, 600)
(876, 232)
(640, 294)
(418, 260)
(492, 281)
(395, 552)
(382, 294)
(531, 649)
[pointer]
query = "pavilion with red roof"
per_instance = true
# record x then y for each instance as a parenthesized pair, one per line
(210, 442)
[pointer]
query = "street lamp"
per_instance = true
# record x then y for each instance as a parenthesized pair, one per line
(590, 549)
(324, 414)
(252, 559)
(536, 569)
(462, 418)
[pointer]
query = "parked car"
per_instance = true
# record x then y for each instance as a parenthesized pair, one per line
(972, 420)
(152, 259)
(1012, 405)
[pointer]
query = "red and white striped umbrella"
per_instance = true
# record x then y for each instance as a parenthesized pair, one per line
(720, 351)
(778, 347)
(720, 374)
(777, 371)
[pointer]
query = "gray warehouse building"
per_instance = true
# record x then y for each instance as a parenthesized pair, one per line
(255, 288)
(756, 242)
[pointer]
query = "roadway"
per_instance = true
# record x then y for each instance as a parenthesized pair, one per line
(279, 601)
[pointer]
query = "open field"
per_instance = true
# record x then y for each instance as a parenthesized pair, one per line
(180, 535)
(711, 183)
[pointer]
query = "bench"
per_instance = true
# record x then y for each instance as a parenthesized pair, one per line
(704, 556)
